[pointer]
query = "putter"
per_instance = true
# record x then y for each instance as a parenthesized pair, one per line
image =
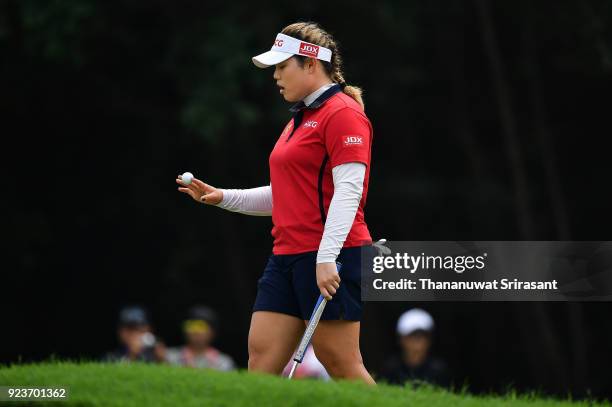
(312, 325)
(318, 311)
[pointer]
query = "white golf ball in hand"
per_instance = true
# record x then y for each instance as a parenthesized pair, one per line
(186, 178)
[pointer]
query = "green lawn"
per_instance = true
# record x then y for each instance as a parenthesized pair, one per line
(108, 385)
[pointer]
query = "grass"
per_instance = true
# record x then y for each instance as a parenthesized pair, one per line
(109, 385)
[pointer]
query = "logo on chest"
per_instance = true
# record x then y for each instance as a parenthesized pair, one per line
(353, 140)
(287, 129)
(311, 123)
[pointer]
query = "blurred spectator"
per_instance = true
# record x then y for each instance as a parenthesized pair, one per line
(309, 368)
(199, 330)
(414, 330)
(137, 342)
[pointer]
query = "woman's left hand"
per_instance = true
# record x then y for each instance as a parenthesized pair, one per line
(328, 279)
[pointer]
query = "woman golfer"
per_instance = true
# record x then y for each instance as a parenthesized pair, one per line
(319, 171)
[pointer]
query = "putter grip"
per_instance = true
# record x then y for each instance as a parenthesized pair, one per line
(312, 325)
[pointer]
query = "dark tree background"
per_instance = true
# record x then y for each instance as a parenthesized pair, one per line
(490, 118)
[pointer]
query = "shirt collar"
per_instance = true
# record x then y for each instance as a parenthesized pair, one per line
(314, 95)
(317, 98)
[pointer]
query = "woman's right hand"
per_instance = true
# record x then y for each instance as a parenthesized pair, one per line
(200, 191)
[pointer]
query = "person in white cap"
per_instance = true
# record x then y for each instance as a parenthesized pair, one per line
(319, 175)
(415, 363)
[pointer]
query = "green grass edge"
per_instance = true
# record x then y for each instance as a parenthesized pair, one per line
(106, 384)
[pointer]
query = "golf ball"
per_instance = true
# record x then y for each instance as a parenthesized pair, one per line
(187, 178)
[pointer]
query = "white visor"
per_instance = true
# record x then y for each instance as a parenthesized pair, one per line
(285, 47)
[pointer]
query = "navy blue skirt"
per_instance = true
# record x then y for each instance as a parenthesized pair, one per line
(289, 285)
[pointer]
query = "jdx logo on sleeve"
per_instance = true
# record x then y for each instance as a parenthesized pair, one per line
(353, 140)
(309, 49)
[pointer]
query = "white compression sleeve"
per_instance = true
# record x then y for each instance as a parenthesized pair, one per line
(348, 187)
(253, 201)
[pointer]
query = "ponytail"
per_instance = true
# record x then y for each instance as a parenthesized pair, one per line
(313, 33)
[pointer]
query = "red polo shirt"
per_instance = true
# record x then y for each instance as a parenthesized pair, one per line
(333, 130)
